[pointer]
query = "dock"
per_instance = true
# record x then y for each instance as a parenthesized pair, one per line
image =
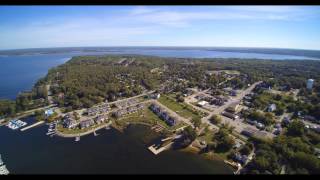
(32, 125)
(159, 150)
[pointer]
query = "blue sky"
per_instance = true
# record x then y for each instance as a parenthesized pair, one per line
(219, 26)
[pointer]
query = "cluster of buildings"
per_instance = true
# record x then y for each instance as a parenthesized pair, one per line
(218, 100)
(104, 108)
(70, 122)
(163, 114)
(124, 111)
(252, 132)
(127, 103)
(231, 111)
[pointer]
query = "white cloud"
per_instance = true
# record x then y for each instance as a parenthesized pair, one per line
(183, 18)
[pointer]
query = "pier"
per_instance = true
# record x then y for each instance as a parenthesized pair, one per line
(32, 125)
(156, 151)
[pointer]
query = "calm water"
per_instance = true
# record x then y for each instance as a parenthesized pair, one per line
(32, 152)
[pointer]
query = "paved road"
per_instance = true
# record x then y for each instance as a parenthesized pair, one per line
(239, 97)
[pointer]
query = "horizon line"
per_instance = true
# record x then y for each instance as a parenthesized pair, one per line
(152, 46)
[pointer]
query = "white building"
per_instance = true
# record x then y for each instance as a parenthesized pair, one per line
(202, 103)
(310, 83)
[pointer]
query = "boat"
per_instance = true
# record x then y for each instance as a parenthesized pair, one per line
(77, 138)
(50, 133)
(95, 134)
(15, 124)
(3, 168)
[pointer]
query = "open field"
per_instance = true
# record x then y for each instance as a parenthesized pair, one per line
(182, 109)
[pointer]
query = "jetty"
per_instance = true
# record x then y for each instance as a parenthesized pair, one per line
(153, 148)
(32, 125)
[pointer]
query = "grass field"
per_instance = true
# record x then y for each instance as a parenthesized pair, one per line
(182, 109)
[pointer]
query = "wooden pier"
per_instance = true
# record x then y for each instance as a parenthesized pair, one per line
(32, 125)
(159, 150)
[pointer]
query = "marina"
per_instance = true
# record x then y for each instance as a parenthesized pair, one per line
(16, 124)
(3, 168)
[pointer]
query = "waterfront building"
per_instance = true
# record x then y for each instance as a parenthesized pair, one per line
(101, 118)
(310, 84)
(69, 122)
(86, 123)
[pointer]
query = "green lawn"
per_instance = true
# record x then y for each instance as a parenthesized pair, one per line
(182, 109)
(148, 117)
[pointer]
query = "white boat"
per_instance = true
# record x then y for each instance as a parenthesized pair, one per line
(77, 138)
(3, 168)
(1, 162)
(50, 133)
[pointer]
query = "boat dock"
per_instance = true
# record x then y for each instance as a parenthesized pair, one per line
(156, 150)
(32, 125)
(3, 168)
(16, 124)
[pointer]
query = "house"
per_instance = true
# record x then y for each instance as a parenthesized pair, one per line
(241, 158)
(272, 108)
(310, 118)
(69, 122)
(155, 96)
(251, 132)
(101, 118)
(233, 107)
(48, 112)
(119, 113)
(286, 120)
(163, 114)
(233, 93)
(230, 115)
(202, 103)
(171, 121)
(86, 123)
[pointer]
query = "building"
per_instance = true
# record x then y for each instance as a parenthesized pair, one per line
(69, 122)
(86, 123)
(230, 115)
(48, 112)
(202, 103)
(233, 107)
(155, 96)
(310, 84)
(101, 118)
(251, 132)
(272, 108)
(171, 121)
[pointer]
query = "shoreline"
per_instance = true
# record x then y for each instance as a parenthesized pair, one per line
(60, 134)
